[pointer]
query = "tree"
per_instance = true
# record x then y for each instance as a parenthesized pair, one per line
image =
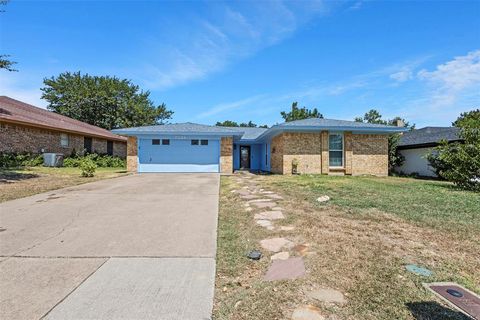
(297, 113)
(103, 101)
(227, 123)
(6, 63)
(230, 123)
(459, 162)
(470, 119)
(394, 157)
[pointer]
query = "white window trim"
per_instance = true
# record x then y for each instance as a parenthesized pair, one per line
(343, 150)
(67, 139)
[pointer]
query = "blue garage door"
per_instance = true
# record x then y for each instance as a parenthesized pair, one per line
(178, 155)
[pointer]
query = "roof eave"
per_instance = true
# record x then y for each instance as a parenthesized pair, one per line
(177, 133)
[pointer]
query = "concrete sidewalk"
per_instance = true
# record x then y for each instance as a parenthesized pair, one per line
(135, 247)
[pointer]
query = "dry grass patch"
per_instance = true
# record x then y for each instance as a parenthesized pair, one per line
(359, 249)
(19, 183)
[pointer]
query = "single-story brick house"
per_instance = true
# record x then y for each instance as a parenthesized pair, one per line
(415, 145)
(318, 145)
(27, 129)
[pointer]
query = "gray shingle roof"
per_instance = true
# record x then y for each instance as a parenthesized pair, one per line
(177, 128)
(319, 122)
(249, 133)
(429, 135)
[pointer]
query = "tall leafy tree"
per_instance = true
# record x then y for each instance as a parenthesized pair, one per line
(107, 102)
(394, 157)
(297, 113)
(470, 119)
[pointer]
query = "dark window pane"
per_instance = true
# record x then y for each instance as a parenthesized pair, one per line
(335, 142)
(156, 141)
(166, 142)
(204, 142)
(110, 148)
(194, 142)
(336, 158)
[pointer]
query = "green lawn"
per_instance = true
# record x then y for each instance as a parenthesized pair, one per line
(19, 183)
(426, 202)
(361, 241)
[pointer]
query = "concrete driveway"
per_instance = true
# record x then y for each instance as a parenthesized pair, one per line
(135, 247)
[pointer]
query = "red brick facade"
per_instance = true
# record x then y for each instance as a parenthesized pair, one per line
(16, 138)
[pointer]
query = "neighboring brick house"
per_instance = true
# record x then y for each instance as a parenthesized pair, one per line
(319, 146)
(27, 129)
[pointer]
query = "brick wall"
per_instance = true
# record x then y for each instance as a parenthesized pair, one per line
(16, 138)
(306, 148)
(363, 153)
(370, 154)
(132, 154)
(226, 155)
(276, 154)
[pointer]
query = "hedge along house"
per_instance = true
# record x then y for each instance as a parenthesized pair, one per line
(320, 146)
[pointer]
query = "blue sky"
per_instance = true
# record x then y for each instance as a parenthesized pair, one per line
(211, 61)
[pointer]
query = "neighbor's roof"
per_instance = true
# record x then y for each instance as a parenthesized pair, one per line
(429, 136)
(15, 111)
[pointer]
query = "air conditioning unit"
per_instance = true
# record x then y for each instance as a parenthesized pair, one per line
(53, 159)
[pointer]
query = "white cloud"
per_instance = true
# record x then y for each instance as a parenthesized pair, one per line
(453, 79)
(224, 107)
(214, 42)
(402, 75)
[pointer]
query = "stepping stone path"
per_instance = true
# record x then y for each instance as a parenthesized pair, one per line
(287, 228)
(284, 255)
(249, 196)
(323, 198)
(269, 215)
(327, 295)
(288, 269)
(275, 196)
(307, 313)
(275, 244)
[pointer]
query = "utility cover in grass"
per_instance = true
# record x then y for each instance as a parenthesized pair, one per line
(288, 269)
(413, 268)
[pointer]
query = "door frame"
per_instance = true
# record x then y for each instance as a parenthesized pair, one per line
(249, 156)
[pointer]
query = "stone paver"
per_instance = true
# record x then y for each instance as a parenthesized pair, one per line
(307, 313)
(327, 295)
(291, 268)
(269, 215)
(264, 204)
(275, 244)
(275, 196)
(260, 200)
(284, 255)
(287, 228)
(249, 197)
(266, 224)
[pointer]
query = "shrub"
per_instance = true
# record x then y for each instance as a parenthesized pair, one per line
(102, 161)
(14, 160)
(459, 162)
(88, 167)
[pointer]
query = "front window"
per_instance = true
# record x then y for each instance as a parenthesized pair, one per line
(335, 147)
(64, 140)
